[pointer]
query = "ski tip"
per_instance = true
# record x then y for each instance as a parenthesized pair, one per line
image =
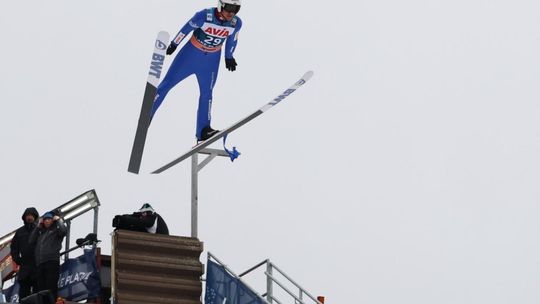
(164, 36)
(308, 75)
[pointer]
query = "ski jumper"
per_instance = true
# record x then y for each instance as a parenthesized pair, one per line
(200, 56)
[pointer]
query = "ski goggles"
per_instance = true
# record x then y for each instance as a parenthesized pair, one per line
(231, 8)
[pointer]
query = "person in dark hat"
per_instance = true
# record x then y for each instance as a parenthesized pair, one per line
(47, 238)
(145, 220)
(22, 253)
(153, 222)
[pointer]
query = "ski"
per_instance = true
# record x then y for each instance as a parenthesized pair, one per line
(156, 67)
(240, 123)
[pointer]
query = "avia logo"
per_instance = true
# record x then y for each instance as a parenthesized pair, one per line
(217, 32)
(157, 65)
(160, 45)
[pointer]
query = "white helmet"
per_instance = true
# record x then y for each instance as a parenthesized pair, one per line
(232, 6)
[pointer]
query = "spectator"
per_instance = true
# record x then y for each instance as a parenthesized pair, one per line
(145, 220)
(48, 237)
(22, 253)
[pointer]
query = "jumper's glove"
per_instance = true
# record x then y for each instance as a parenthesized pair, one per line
(230, 63)
(171, 48)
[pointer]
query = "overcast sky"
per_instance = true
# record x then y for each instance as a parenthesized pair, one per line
(405, 171)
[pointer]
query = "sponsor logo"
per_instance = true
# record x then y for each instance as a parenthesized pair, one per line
(7, 262)
(179, 38)
(160, 45)
(210, 110)
(217, 32)
(157, 65)
(74, 278)
(282, 96)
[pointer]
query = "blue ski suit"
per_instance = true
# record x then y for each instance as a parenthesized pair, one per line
(200, 56)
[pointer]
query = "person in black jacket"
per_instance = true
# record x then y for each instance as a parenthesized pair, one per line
(145, 220)
(47, 238)
(22, 253)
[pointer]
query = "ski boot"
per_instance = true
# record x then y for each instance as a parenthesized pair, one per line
(207, 132)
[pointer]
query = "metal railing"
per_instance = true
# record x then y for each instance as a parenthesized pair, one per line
(213, 257)
(300, 295)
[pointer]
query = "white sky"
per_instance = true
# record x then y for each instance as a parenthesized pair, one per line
(405, 171)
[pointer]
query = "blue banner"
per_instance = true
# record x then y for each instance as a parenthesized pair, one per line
(12, 293)
(222, 287)
(79, 278)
